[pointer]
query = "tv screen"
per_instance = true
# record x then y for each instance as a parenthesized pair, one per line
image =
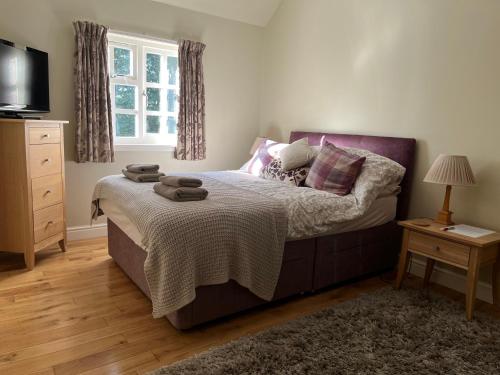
(24, 79)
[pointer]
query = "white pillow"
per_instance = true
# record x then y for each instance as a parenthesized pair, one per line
(389, 191)
(296, 155)
(377, 175)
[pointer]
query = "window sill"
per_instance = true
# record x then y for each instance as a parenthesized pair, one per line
(155, 148)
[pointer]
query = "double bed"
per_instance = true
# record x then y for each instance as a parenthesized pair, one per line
(311, 259)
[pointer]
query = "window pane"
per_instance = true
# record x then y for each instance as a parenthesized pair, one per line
(125, 125)
(152, 99)
(153, 67)
(122, 62)
(172, 70)
(153, 124)
(171, 101)
(171, 125)
(125, 96)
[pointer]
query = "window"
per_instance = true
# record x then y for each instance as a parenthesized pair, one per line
(144, 91)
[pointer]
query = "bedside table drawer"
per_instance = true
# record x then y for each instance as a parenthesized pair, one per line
(437, 248)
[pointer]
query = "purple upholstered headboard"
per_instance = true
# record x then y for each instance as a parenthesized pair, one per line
(401, 150)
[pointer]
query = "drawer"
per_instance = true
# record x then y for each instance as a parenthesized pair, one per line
(48, 222)
(439, 249)
(45, 160)
(46, 191)
(40, 136)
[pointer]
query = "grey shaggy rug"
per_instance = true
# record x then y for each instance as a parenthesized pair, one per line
(385, 332)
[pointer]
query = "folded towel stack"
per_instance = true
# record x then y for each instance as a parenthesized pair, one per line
(143, 168)
(143, 172)
(178, 181)
(180, 189)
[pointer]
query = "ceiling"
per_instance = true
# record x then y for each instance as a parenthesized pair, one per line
(254, 12)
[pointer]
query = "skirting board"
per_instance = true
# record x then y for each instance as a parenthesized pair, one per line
(86, 232)
(451, 280)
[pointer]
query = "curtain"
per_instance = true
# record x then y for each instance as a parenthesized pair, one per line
(94, 130)
(191, 121)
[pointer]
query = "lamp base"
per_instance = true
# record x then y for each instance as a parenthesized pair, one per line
(444, 217)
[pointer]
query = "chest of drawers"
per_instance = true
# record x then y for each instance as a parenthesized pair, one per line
(32, 212)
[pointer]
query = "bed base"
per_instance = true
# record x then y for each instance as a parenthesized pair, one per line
(308, 265)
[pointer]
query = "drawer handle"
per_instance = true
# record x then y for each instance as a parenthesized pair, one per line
(47, 192)
(49, 224)
(46, 160)
(45, 136)
(437, 248)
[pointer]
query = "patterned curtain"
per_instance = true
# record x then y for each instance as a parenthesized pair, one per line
(191, 122)
(94, 130)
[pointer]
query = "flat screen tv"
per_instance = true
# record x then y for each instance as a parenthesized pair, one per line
(24, 80)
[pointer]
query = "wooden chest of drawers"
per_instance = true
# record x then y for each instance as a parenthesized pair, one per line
(32, 214)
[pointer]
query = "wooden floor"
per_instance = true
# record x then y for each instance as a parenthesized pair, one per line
(77, 313)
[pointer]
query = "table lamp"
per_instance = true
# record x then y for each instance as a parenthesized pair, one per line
(449, 170)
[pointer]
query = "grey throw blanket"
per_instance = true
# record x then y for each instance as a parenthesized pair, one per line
(234, 234)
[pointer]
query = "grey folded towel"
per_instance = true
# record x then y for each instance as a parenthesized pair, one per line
(178, 181)
(180, 194)
(143, 168)
(143, 177)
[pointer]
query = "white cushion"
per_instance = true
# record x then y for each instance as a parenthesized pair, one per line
(296, 155)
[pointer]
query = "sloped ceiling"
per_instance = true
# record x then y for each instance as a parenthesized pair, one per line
(254, 12)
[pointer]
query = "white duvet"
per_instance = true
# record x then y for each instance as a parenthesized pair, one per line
(310, 212)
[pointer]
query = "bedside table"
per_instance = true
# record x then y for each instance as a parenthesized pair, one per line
(456, 250)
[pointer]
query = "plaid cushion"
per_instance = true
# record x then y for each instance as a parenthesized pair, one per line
(334, 170)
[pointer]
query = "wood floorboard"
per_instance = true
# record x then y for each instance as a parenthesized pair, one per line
(77, 313)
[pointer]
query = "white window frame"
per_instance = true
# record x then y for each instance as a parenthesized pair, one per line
(140, 47)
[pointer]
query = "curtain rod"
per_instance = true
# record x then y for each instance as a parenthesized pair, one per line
(143, 36)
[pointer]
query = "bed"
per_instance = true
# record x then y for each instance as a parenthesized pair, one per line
(361, 247)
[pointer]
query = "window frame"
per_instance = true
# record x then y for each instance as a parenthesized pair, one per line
(140, 47)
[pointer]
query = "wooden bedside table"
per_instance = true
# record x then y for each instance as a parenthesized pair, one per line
(460, 251)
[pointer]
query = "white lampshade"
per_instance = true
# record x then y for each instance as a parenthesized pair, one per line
(256, 144)
(451, 170)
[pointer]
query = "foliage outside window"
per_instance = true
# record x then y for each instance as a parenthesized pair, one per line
(144, 90)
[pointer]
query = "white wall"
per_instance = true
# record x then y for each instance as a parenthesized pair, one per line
(416, 68)
(231, 62)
